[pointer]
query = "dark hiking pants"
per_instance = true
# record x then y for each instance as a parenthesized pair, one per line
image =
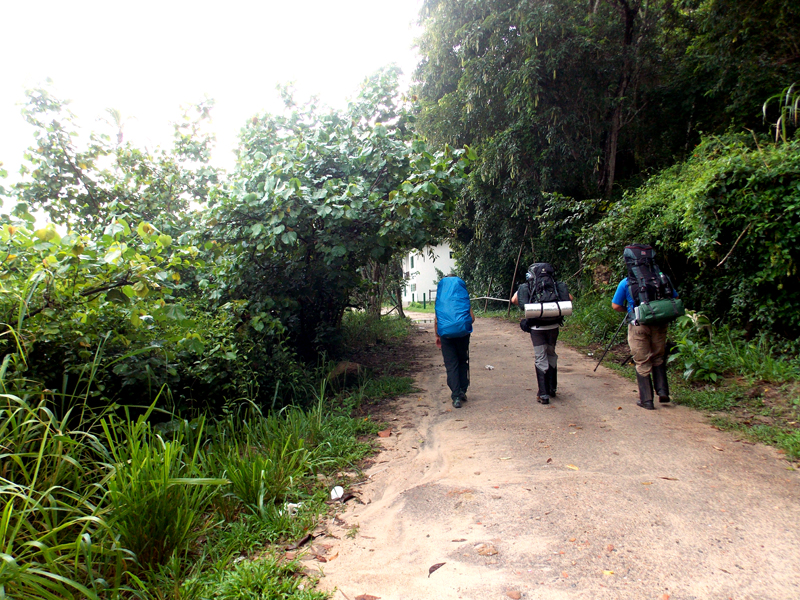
(455, 352)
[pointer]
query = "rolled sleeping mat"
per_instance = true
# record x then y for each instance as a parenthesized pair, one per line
(548, 309)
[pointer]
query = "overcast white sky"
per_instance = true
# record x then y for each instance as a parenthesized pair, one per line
(148, 57)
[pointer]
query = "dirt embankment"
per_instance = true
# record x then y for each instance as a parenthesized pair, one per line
(589, 497)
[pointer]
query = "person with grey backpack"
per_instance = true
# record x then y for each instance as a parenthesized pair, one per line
(546, 302)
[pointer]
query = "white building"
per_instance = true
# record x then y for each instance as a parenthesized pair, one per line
(424, 270)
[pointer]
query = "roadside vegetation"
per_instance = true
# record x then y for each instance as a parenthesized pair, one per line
(106, 504)
(171, 413)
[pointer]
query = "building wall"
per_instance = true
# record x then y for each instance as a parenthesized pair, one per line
(421, 268)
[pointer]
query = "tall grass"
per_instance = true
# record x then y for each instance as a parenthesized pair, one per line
(109, 506)
(56, 541)
(158, 490)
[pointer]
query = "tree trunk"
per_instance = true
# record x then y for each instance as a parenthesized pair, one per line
(628, 12)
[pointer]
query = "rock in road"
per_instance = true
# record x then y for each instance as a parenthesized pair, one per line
(590, 497)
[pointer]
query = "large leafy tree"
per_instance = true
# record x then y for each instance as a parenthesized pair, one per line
(548, 93)
(113, 274)
(320, 195)
(580, 100)
(81, 178)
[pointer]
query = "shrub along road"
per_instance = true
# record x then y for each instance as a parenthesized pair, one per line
(589, 497)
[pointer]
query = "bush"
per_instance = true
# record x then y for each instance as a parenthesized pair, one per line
(708, 353)
(264, 579)
(726, 226)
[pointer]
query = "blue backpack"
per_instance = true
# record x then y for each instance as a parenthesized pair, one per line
(453, 319)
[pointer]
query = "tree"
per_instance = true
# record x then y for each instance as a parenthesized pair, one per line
(79, 184)
(567, 99)
(318, 196)
(544, 92)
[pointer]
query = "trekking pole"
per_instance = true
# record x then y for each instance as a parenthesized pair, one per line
(611, 342)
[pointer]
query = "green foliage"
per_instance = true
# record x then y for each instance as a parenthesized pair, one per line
(788, 441)
(725, 223)
(264, 579)
(53, 530)
(541, 91)
(157, 490)
(592, 321)
(360, 329)
(87, 512)
(788, 102)
(707, 353)
(564, 101)
(118, 300)
(79, 185)
(428, 307)
(318, 195)
(388, 387)
(707, 398)
(261, 476)
(736, 54)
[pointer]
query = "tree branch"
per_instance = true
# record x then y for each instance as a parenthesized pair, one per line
(741, 235)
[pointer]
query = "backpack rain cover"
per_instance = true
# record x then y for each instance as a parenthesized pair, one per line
(453, 319)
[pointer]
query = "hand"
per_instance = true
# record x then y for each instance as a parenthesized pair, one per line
(438, 342)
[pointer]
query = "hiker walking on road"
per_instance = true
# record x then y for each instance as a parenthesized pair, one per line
(651, 301)
(541, 286)
(452, 325)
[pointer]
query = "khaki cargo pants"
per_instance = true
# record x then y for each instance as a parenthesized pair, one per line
(648, 345)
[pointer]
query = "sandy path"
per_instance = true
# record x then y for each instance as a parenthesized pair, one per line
(590, 497)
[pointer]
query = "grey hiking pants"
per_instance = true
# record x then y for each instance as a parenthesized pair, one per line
(544, 348)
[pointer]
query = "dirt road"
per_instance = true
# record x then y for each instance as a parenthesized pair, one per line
(589, 497)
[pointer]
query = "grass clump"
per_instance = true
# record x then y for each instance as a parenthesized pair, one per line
(121, 504)
(264, 579)
(361, 329)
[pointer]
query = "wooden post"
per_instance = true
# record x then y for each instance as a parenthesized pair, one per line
(486, 304)
(516, 266)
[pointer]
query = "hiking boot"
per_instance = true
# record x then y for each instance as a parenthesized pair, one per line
(541, 379)
(456, 402)
(645, 392)
(660, 382)
(463, 397)
(551, 378)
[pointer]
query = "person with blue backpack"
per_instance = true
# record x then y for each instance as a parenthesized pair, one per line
(452, 325)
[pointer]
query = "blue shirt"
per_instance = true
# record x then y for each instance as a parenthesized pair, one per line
(623, 295)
